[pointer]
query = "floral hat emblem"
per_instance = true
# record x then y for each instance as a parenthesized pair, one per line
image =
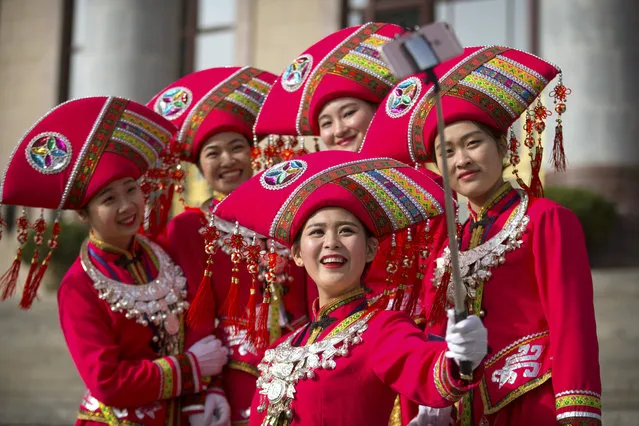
(49, 152)
(296, 73)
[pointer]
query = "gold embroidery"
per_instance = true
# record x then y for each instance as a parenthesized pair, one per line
(396, 414)
(577, 400)
(342, 300)
(99, 418)
(245, 367)
(166, 376)
(511, 396)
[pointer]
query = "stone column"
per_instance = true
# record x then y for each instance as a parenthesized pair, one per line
(594, 42)
(128, 48)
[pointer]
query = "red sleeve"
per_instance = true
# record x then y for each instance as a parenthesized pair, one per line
(565, 285)
(113, 378)
(414, 367)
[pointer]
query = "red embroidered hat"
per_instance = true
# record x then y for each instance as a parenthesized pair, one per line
(492, 85)
(385, 195)
(346, 63)
(79, 147)
(225, 99)
(65, 159)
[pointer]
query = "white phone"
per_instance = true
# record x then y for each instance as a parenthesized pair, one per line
(420, 50)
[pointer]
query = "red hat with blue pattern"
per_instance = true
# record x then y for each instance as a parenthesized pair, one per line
(66, 158)
(203, 103)
(491, 85)
(346, 63)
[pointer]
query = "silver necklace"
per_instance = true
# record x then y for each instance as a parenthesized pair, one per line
(285, 365)
(475, 264)
(160, 301)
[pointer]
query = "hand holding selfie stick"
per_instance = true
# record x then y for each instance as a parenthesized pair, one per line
(421, 51)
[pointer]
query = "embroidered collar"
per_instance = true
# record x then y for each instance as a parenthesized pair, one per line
(133, 250)
(493, 203)
(345, 299)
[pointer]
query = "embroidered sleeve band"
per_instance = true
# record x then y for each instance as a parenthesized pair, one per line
(179, 375)
(444, 381)
(578, 408)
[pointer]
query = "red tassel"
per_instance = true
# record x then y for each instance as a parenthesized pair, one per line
(262, 335)
(559, 95)
(39, 227)
(251, 315)
(10, 278)
(202, 308)
(252, 256)
(231, 307)
(438, 309)
(232, 312)
(31, 287)
(558, 154)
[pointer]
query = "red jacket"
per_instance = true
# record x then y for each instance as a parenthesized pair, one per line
(393, 357)
(538, 308)
(123, 372)
(186, 246)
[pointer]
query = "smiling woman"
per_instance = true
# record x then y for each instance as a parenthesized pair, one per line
(215, 110)
(122, 303)
(343, 123)
(332, 89)
(330, 212)
(334, 247)
(116, 212)
(225, 161)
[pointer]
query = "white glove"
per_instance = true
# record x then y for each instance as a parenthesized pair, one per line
(210, 355)
(428, 416)
(467, 340)
(217, 412)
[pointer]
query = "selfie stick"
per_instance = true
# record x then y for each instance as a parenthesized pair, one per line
(465, 367)
(421, 55)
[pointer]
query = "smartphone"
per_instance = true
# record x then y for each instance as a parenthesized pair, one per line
(420, 50)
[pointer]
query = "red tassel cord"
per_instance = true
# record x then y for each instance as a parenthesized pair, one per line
(559, 94)
(9, 279)
(203, 306)
(262, 335)
(252, 256)
(31, 287)
(422, 243)
(39, 227)
(232, 312)
(273, 264)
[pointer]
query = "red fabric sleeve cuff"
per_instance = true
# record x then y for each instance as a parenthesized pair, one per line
(179, 375)
(447, 381)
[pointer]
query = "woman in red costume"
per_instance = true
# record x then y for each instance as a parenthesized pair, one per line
(122, 303)
(331, 90)
(524, 263)
(330, 208)
(215, 110)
